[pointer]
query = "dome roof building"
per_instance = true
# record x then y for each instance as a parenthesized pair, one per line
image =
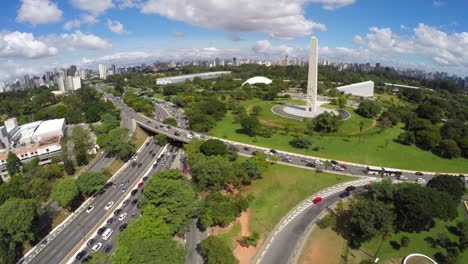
(257, 79)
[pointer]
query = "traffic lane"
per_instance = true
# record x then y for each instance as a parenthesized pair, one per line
(282, 248)
(130, 209)
(73, 233)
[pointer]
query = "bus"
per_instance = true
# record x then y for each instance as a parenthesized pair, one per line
(372, 170)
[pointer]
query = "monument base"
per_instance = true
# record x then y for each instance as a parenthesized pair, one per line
(299, 112)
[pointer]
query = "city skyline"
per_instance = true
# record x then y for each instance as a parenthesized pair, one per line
(37, 35)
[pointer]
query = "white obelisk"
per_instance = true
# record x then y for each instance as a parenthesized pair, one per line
(311, 97)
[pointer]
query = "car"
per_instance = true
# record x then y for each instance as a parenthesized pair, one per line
(80, 255)
(107, 248)
(310, 164)
(338, 168)
(272, 151)
(189, 136)
(108, 185)
(350, 188)
(140, 164)
(176, 133)
(134, 192)
(135, 157)
(145, 178)
(246, 149)
(419, 173)
(96, 247)
(124, 189)
(344, 194)
(140, 184)
(101, 230)
(122, 227)
(125, 202)
(134, 164)
(91, 242)
(334, 162)
(87, 259)
(318, 162)
(344, 166)
(168, 127)
(367, 186)
(117, 211)
(403, 178)
(420, 180)
(110, 220)
(101, 191)
(134, 201)
(168, 154)
(122, 216)
(89, 209)
(108, 205)
(317, 200)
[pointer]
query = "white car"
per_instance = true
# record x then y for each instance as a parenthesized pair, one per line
(96, 247)
(189, 136)
(420, 180)
(109, 205)
(89, 209)
(122, 216)
(318, 162)
(403, 178)
(135, 157)
(338, 168)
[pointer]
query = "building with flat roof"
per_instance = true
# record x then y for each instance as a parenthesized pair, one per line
(37, 139)
(183, 78)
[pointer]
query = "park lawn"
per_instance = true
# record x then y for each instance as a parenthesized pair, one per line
(417, 243)
(376, 148)
(229, 236)
(280, 190)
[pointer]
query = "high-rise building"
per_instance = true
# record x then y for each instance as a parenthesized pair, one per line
(2, 87)
(71, 71)
(102, 71)
(234, 61)
(113, 69)
(26, 82)
(61, 83)
(68, 83)
(76, 83)
(82, 74)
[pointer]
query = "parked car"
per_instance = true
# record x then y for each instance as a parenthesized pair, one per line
(80, 255)
(107, 248)
(350, 188)
(317, 200)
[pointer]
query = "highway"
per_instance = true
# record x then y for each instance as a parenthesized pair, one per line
(185, 135)
(64, 242)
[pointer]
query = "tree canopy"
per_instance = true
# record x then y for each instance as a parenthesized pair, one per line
(65, 192)
(118, 143)
(213, 147)
(215, 251)
(451, 185)
(90, 182)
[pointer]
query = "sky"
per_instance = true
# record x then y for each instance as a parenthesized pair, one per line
(39, 35)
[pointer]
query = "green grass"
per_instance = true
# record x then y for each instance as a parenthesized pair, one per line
(231, 234)
(417, 243)
(282, 188)
(376, 146)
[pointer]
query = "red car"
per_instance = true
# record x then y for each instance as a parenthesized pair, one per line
(367, 186)
(317, 200)
(344, 166)
(140, 184)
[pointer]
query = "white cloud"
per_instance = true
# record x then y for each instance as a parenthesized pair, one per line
(178, 34)
(333, 4)
(276, 18)
(39, 12)
(95, 7)
(358, 40)
(438, 3)
(115, 26)
(128, 3)
(24, 45)
(76, 23)
(69, 25)
(266, 48)
(78, 40)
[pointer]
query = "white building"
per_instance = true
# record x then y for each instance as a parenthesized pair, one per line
(68, 83)
(182, 78)
(102, 71)
(257, 79)
(2, 87)
(76, 83)
(363, 89)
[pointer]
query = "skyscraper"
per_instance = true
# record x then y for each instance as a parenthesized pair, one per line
(71, 71)
(113, 69)
(102, 71)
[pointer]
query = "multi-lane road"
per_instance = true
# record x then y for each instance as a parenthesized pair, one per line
(64, 243)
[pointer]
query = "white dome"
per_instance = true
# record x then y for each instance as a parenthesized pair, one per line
(257, 79)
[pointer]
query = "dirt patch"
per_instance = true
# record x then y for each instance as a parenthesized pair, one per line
(217, 230)
(324, 247)
(244, 254)
(269, 123)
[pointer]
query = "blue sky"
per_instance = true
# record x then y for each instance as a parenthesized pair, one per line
(38, 34)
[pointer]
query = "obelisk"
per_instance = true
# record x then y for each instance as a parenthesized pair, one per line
(311, 96)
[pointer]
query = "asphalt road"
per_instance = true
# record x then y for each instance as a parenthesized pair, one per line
(193, 238)
(282, 249)
(65, 242)
(185, 135)
(130, 209)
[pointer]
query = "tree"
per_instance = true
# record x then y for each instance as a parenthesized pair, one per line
(342, 101)
(369, 108)
(256, 110)
(161, 139)
(13, 164)
(90, 182)
(18, 219)
(215, 251)
(382, 191)
(174, 195)
(252, 239)
(250, 125)
(448, 148)
(100, 257)
(301, 142)
(219, 209)
(367, 219)
(69, 167)
(406, 138)
(170, 121)
(213, 147)
(427, 139)
(81, 157)
(118, 143)
(451, 185)
(233, 153)
(211, 172)
(326, 122)
(252, 168)
(65, 192)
